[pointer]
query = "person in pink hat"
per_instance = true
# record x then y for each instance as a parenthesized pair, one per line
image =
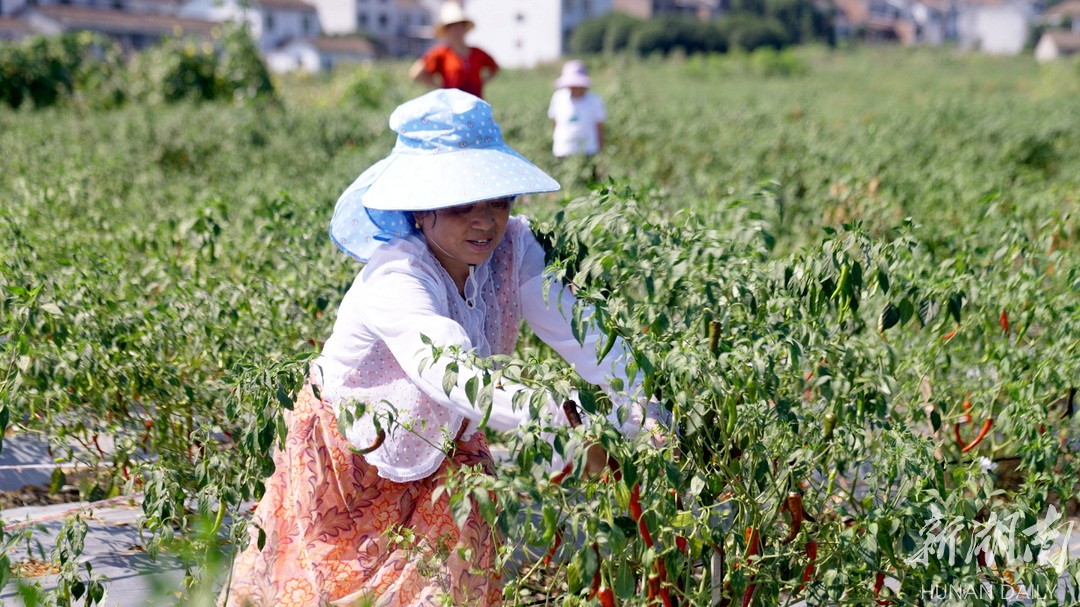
(577, 113)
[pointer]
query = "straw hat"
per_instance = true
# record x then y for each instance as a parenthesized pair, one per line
(449, 152)
(573, 75)
(449, 13)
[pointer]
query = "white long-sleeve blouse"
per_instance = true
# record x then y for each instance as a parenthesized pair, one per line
(375, 353)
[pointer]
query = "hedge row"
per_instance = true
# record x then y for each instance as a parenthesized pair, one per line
(86, 68)
(749, 28)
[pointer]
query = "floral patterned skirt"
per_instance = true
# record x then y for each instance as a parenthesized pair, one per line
(335, 530)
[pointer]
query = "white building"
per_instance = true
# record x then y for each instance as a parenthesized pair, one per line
(319, 54)
(524, 33)
(402, 27)
(931, 19)
(272, 22)
(1000, 28)
(1056, 44)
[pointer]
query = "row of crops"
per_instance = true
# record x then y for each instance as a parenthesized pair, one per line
(852, 276)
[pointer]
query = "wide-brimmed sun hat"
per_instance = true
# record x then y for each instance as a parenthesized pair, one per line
(449, 152)
(573, 74)
(449, 14)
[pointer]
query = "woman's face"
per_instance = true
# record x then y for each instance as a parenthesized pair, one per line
(455, 32)
(465, 235)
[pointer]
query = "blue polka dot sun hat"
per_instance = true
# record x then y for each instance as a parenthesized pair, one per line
(449, 152)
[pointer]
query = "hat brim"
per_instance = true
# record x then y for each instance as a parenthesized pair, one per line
(573, 81)
(421, 182)
(440, 28)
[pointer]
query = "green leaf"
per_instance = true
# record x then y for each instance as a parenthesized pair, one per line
(890, 315)
(450, 378)
(883, 281)
(955, 303)
(77, 589)
(96, 594)
(57, 481)
(471, 387)
(928, 311)
(625, 581)
(590, 563)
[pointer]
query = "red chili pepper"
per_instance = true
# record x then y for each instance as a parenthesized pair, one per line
(607, 597)
(753, 546)
(748, 595)
(811, 556)
(379, 438)
(661, 574)
(572, 415)
(753, 539)
(558, 478)
(794, 506)
(982, 434)
(637, 514)
(680, 543)
(1004, 321)
(656, 587)
(596, 576)
(950, 334)
(964, 419)
(551, 551)
(879, 581)
(97, 445)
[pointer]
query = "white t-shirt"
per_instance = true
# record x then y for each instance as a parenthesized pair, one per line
(576, 122)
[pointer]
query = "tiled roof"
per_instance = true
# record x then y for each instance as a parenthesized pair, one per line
(8, 24)
(1069, 7)
(162, 3)
(108, 20)
(292, 5)
(344, 44)
(1065, 40)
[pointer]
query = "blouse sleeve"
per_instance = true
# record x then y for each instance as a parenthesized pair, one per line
(433, 60)
(402, 305)
(549, 309)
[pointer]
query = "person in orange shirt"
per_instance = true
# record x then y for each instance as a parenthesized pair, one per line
(453, 64)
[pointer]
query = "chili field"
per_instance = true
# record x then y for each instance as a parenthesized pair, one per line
(853, 277)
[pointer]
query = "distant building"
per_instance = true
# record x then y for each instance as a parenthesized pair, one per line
(1057, 44)
(159, 7)
(133, 31)
(14, 29)
(934, 21)
(402, 27)
(320, 54)
(875, 21)
(525, 33)
(998, 27)
(647, 9)
(989, 26)
(1065, 15)
(272, 22)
